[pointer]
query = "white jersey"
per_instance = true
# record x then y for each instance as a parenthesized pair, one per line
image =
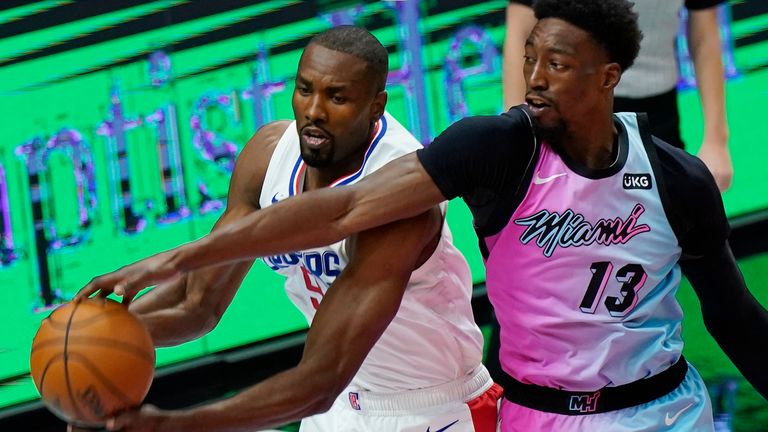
(433, 339)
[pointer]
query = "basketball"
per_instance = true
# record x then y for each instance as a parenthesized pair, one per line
(91, 360)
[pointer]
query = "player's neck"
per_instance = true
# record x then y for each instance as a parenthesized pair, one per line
(316, 178)
(592, 144)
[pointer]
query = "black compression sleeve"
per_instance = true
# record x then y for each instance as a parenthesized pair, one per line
(732, 315)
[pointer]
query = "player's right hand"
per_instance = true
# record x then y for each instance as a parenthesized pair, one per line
(129, 280)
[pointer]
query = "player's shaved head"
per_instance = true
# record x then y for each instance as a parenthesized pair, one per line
(360, 43)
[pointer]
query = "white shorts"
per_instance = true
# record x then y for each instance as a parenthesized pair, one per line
(686, 408)
(465, 405)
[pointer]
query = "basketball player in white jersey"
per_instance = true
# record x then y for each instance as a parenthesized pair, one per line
(392, 344)
(586, 223)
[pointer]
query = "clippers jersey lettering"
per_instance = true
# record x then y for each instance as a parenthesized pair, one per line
(433, 338)
(585, 272)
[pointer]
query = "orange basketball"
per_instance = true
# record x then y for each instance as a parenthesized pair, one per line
(90, 360)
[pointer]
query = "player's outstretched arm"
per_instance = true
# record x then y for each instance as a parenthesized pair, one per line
(401, 189)
(189, 306)
(353, 314)
(732, 315)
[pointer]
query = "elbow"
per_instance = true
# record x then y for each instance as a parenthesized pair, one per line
(321, 405)
(721, 322)
(322, 389)
(202, 317)
(325, 395)
(208, 321)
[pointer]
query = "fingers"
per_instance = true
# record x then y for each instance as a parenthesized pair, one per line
(102, 286)
(139, 419)
(114, 424)
(128, 289)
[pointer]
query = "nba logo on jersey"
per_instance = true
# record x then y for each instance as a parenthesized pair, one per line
(353, 400)
(637, 181)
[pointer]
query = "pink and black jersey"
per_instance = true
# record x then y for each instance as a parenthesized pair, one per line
(582, 264)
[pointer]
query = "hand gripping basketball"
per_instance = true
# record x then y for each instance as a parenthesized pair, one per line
(91, 360)
(129, 280)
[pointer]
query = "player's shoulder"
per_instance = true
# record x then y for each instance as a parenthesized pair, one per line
(269, 134)
(681, 167)
(692, 200)
(509, 126)
(396, 133)
(263, 142)
(515, 118)
(253, 161)
(691, 190)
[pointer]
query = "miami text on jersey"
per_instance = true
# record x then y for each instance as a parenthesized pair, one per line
(551, 229)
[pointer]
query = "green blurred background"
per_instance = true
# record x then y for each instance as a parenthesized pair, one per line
(61, 75)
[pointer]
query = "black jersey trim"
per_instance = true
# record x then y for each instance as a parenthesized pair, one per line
(600, 173)
(661, 186)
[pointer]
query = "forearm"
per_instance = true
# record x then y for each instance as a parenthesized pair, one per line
(741, 334)
(270, 232)
(286, 397)
(732, 315)
(174, 326)
(191, 305)
(163, 312)
(705, 48)
(399, 190)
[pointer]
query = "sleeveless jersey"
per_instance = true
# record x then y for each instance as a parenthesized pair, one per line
(433, 338)
(583, 277)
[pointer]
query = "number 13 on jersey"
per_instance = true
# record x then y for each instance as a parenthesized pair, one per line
(630, 279)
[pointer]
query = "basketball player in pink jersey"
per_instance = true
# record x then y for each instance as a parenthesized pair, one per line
(392, 344)
(586, 223)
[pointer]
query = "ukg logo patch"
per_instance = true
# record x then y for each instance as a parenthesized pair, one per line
(637, 181)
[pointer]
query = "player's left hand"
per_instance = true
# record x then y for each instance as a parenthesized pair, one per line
(717, 158)
(148, 418)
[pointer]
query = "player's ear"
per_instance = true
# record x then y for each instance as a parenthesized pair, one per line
(378, 105)
(611, 75)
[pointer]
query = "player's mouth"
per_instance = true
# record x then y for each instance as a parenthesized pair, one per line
(315, 137)
(537, 105)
